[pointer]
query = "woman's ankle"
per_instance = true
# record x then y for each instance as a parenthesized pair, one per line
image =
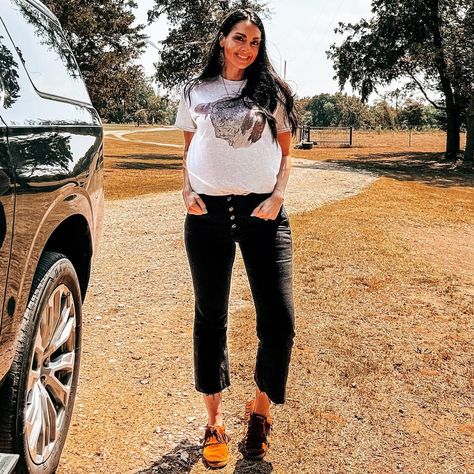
(214, 409)
(215, 421)
(261, 404)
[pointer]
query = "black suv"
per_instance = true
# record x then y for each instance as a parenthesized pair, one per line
(51, 211)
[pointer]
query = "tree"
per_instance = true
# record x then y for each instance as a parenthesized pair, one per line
(141, 117)
(161, 110)
(421, 40)
(468, 63)
(352, 112)
(469, 154)
(193, 26)
(302, 112)
(342, 110)
(322, 108)
(105, 44)
(339, 110)
(9, 68)
(412, 114)
(384, 115)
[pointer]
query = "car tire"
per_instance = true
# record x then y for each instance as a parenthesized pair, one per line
(37, 396)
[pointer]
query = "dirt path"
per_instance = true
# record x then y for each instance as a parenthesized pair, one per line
(120, 135)
(136, 405)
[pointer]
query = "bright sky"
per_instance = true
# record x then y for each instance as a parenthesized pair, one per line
(299, 31)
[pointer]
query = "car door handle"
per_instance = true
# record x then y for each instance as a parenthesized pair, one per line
(5, 183)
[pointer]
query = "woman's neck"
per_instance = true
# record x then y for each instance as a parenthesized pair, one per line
(232, 73)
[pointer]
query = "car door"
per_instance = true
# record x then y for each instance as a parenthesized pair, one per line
(7, 196)
(55, 147)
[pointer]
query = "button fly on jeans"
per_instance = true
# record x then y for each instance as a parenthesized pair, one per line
(232, 218)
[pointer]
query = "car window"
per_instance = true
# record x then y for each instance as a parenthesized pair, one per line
(43, 50)
(9, 77)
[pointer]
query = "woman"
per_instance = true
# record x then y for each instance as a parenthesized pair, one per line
(237, 118)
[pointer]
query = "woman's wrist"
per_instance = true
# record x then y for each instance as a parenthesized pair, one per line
(278, 193)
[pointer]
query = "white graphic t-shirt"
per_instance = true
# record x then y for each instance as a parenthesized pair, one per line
(232, 150)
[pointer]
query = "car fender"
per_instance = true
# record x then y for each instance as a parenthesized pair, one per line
(71, 200)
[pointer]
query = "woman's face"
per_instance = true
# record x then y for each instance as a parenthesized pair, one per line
(241, 45)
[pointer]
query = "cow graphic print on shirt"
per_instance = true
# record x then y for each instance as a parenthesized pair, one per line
(234, 122)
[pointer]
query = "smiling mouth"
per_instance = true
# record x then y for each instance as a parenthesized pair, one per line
(243, 58)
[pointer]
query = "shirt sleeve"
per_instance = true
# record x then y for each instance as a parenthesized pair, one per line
(184, 120)
(281, 119)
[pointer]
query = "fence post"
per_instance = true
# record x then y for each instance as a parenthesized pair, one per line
(350, 136)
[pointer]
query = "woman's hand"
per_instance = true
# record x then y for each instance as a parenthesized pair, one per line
(270, 208)
(193, 202)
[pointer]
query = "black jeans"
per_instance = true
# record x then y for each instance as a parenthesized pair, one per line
(267, 253)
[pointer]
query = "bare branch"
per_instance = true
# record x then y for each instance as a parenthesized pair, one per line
(432, 102)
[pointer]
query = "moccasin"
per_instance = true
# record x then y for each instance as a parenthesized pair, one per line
(257, 438)
(215, 451)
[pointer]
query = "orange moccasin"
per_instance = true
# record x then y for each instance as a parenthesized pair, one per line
(215, 450)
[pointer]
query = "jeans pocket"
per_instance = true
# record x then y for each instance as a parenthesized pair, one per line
(283, 215)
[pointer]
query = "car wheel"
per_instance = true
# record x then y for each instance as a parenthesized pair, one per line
(37, 396)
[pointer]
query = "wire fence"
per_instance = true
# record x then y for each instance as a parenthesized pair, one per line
(332, 137)
(325, 136)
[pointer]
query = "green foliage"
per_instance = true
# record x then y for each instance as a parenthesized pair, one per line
(322, 108)
(106, 44)
(9, 76)
(339, 110)
(193, 25)
(429, 42)
(342, 110)
(303, 115)
(417, 115)
(141, 117)
(384, 115)
(161, 110)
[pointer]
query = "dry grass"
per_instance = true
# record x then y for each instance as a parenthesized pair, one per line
(383, 369)
(169, 136)
(382, 377)
(134, 169)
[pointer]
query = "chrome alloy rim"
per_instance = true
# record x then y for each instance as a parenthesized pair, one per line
(51, 374)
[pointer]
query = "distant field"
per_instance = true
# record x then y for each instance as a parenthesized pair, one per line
(380, 140)
(129, 126)
(126, 161)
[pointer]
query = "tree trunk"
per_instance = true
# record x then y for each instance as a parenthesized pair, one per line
(453, 131)
(469, 153)
(453, 116)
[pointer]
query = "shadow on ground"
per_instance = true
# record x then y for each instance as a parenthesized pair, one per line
(180, 460)
(253, 467)
(427, 168)
(144, 157)
(146, 162)
(186, 454)
(147, 166)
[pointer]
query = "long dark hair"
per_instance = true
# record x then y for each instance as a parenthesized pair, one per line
(264, 87)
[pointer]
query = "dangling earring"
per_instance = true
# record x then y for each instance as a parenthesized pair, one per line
(221, 57)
